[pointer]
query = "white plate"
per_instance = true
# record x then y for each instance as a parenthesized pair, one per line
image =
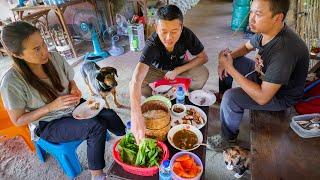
(164, 90)
(202, 114)
(202, 98)
(177, 128)
(83, 111)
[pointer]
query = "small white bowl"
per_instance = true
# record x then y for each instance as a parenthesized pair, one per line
(180, 106)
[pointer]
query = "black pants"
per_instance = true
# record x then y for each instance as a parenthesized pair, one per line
(93, 130)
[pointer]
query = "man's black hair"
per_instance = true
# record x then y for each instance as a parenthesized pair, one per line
(169, 13)
(279, 6)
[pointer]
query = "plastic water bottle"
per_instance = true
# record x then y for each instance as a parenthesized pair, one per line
(180, 95)
(60, 2)
(46, 2)
(53, 2)
(164, 171)
(128, 127)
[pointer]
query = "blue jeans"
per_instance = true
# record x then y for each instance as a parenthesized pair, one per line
(93, 130)
(235, 100)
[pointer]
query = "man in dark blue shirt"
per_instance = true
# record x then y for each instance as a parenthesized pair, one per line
(164, 57)
(273, 81)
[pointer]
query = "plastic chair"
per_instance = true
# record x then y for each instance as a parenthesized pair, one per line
(64, 153)
(8, 130)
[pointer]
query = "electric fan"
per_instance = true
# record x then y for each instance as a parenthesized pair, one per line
(20, 3)
(86, 24)
(110, 34)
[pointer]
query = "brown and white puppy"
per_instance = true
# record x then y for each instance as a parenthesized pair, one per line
(100, 81)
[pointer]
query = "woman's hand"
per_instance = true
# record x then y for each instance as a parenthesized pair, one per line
(63, 102)
(74, 90)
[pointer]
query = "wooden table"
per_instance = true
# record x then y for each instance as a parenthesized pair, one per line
(42, 11)
(116, 171)
(278, 152)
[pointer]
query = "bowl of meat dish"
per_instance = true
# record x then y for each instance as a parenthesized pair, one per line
(178, 110)
(193, 116)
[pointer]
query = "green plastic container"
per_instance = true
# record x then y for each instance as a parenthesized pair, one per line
(240, 17)
(241, 2)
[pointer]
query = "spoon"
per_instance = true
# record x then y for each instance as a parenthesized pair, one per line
(204, 144)
(315, 121)
(312, 121)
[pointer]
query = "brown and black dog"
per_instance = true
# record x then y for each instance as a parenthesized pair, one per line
(100, 81)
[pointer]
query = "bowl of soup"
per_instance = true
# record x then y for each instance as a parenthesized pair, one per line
(185, 137)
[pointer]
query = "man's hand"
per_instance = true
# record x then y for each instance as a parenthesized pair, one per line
(221, 70)
(258, 64)
(225, 61)
(138, 128)
(171, 75)
(137, 121)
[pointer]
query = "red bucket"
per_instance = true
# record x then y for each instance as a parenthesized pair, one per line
(141, 171)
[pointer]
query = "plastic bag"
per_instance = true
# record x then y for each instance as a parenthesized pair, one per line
(168, 88)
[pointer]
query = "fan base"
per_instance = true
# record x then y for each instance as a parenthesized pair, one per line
(116, 50)
(94, 57)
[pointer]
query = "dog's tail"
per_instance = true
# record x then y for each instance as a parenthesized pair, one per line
(88, 67)
(82, 71)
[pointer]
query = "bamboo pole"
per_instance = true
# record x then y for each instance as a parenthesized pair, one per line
(308, 26)
(308, 16)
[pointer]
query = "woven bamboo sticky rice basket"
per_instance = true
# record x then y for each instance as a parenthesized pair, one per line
(159, 134)
(157, 119)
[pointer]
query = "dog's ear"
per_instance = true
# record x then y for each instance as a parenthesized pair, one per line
(100, 77)
(96, 65)
(109, 70)
(115, 71)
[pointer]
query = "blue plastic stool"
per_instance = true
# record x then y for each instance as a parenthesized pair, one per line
(64, 153)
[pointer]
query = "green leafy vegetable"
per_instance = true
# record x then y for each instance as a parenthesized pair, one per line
(147, 154)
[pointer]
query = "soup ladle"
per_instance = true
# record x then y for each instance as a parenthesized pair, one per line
(204, 144)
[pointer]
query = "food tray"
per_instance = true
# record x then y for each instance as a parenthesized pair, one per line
(304, 133)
